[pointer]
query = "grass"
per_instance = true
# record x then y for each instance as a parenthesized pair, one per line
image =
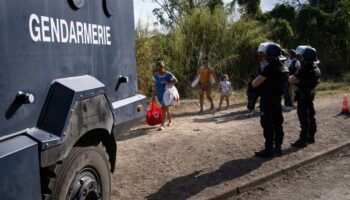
(332, 88)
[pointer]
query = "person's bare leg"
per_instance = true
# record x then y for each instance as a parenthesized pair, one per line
(227, 102)
(221, 100)
(201, 99)
(168, 115)
(164, 112)
(208, 92)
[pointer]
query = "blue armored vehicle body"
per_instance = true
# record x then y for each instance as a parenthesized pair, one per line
(68, 88)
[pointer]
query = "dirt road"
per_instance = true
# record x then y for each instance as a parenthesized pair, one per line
(202, 156)
(323, 180)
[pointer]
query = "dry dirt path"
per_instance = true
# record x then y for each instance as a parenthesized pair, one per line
(323, 180)
(202, 156)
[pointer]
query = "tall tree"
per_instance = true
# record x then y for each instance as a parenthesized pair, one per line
(169, 11)
(250, 8)
(283, 11)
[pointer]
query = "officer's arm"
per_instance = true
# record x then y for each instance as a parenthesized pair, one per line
(258, 80)
(293, 79)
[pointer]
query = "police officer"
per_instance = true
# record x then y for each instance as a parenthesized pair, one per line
(294, 62)
(306, 79)
(271, 83)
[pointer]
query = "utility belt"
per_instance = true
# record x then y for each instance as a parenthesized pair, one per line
(305, 90)
(270, 99)
(304, 94)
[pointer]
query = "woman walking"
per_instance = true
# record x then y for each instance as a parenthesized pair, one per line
(163, 79)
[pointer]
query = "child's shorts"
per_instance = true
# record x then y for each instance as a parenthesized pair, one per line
(226, 94)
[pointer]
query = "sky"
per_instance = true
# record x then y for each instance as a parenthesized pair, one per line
(143, 9)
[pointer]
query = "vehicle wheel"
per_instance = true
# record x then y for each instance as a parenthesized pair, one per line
(83, 175)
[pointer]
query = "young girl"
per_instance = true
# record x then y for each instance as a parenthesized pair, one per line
(226, 90)
(204, 73)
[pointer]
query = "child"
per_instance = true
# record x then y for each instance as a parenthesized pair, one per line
(226, 90)
(205, 73)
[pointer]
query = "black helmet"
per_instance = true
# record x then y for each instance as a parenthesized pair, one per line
(272, 50)
(308, 53)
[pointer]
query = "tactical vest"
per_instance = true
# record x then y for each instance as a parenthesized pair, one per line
(311, 77)
(274, 85)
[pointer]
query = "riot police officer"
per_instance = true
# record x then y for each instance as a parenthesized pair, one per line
(270, 82)
(306, 79)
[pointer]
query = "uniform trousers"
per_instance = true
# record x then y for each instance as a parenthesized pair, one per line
(306, 113)
(271, 120)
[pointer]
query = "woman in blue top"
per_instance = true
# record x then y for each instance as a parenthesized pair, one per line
(162, 79)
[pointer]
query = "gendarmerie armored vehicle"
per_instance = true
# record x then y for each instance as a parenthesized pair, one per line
(68, 88)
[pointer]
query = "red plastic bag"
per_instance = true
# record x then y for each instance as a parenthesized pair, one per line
(154, 114)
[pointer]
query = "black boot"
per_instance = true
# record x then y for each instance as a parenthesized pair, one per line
(265, 153)
(310, 140)
(277, 150)
(299, 143)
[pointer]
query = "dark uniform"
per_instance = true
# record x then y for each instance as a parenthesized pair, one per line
(308, 75)
(271, 117)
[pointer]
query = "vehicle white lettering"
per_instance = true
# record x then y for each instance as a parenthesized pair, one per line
(49, 29)
(64, 31)
(94, 34)
(55, 30)
(80, 35)
(36, 36)
(72, 35)
(45, 28)
(87, 33)
(108, 35)
(100, 34)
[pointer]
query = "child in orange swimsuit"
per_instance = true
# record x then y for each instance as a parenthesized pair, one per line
(205, 72)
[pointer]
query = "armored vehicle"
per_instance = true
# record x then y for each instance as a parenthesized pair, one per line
(68, 88)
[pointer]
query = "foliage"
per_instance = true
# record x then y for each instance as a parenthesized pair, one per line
(250, 8)
(169, 10)
(281, 31)
(197, 28)
(283, 11)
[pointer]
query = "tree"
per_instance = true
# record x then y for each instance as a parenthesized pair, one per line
(281, 32)
(249, 8)
(326, 27)
(283, 11)
(169, 11)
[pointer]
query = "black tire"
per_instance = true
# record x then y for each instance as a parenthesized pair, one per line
(83, 174)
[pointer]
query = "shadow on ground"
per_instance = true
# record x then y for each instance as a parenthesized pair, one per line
(136, 133)
(238, 115)
(184, 187)
(344, 115)
(194, 113)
